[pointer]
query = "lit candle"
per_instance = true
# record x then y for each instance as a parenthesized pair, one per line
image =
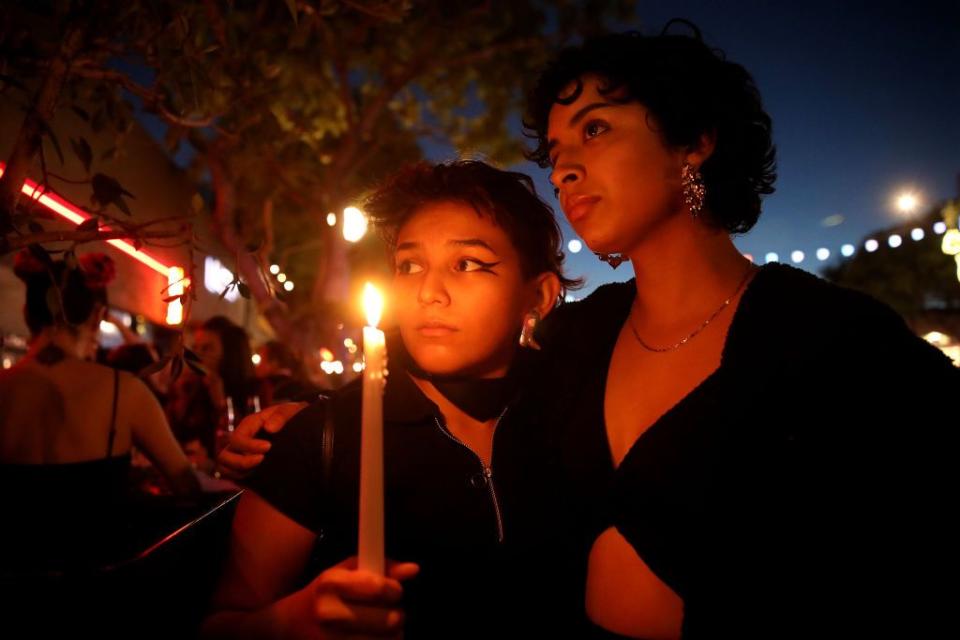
(370, 544)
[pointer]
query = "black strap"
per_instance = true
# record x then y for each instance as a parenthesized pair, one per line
(113, 415)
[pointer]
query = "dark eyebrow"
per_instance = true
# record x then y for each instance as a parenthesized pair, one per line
(473, 242)
(407, 245)
(577, 117)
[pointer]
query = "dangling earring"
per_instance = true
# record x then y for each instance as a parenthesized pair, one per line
(613, 259)
(693, 189)
(530, 322)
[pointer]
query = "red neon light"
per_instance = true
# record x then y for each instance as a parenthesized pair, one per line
(76, 215)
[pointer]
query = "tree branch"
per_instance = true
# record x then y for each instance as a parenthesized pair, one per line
(273, 310)
(488, 53)
(30, 136)
(81, 237)
(381, 13)
(151, 98)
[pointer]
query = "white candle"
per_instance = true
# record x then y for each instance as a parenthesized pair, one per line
(370, 544)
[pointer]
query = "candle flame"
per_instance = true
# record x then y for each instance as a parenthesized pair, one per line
(372, 304)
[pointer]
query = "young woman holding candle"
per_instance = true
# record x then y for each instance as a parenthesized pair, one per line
(746, 452)
(477, 258)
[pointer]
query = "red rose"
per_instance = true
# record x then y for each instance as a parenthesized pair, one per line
(99, 269)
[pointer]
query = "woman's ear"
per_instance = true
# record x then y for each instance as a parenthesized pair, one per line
(547, 292)
(701, 152)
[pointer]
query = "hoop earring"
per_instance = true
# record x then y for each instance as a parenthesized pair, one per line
(693, 189)
(613, 259)
(530, 322)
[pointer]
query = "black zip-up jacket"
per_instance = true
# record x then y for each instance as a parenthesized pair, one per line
(494, 562)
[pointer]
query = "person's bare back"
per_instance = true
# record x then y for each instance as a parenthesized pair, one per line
(61, 412)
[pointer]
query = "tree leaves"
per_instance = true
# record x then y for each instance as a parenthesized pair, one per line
(193, 361)
(81, 113)
(93, 224)
(83, 151)
(176, 368)
(292, 7)
(107, 190)
(47, 131)
(156, 367)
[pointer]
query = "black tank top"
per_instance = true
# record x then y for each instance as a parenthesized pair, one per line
(59, 512)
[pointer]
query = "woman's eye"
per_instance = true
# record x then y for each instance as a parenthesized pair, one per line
(594, 128)
(472, 264)
(467, 264)
(408, 267)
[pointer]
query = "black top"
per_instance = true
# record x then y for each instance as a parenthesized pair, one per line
(480, 544)
(801, 489)
(58, 514)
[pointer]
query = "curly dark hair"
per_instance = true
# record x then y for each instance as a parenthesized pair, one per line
(689, 90)
(508, 197)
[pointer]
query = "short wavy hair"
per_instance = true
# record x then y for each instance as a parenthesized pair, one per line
(508, 197)
(689, 90)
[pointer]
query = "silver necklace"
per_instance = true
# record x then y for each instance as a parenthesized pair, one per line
(703, 326)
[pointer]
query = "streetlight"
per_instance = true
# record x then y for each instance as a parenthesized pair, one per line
(354, 224)
(907, 203)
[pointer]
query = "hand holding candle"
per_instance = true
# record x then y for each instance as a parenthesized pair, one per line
(371, 553)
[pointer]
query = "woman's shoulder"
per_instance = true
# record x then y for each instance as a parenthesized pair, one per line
(804, 301)
(800, 316)
(596, 317)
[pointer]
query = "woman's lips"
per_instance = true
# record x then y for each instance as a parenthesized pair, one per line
(435, 330)
(580, 206)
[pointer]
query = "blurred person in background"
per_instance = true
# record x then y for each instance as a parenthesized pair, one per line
(201, 405)
(280, 374)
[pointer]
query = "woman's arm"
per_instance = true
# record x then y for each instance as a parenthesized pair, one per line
(151, 434)
(267, 553)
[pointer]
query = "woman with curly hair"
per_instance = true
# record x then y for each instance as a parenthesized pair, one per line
(754, 451)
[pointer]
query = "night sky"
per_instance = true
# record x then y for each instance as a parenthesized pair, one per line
(864, 97)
